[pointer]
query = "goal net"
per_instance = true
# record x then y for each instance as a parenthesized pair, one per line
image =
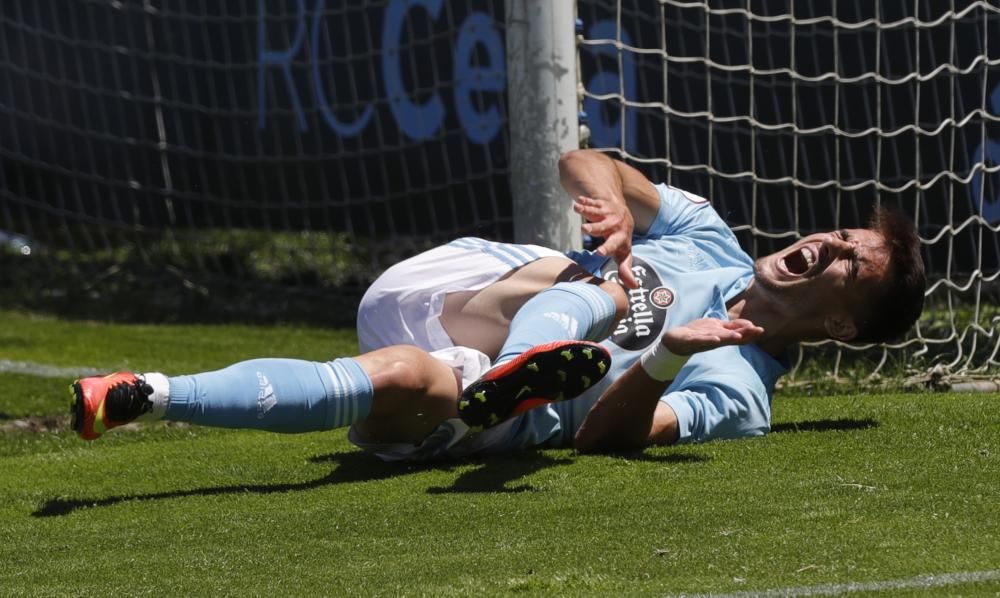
(799, 117)
(268, 158)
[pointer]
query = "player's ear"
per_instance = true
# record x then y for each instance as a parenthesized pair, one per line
(840, 327)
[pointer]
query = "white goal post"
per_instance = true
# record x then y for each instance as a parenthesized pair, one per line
(541, 99)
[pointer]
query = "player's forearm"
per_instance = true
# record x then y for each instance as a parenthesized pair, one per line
(592, 174)
(623, 417)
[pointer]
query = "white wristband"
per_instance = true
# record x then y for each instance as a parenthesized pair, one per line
(660, 363)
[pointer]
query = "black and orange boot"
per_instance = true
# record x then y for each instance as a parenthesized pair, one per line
(544, 374)
(104, 402)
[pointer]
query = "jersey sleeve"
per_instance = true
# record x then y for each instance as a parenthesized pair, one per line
(681, 211)
(720, 395)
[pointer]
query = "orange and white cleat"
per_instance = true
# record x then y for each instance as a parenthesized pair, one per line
(544, 374)
(104, 402)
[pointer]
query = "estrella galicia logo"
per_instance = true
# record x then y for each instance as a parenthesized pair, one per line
(661, 297)
(647, 306)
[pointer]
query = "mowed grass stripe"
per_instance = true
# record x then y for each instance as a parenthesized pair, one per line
(45, 370)
(849, 489)
(920, 582)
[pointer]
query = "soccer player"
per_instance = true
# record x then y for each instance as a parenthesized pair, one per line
(667, 333)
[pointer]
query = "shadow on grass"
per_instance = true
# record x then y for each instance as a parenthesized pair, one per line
(491, 475)
(352, 466)
(825, 425)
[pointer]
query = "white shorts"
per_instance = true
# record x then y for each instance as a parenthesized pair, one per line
(403, 307)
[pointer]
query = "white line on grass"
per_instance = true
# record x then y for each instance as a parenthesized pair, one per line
(44, 370)
(932, 580)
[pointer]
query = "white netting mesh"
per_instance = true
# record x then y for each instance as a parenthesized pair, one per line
(301, 145)
(797, 117)
(238, 147)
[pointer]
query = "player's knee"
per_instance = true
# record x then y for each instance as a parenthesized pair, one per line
(412, 388)
(404, 369)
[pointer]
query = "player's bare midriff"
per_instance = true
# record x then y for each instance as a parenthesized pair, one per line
(472, 319)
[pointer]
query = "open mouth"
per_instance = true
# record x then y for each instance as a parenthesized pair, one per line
(800, 261)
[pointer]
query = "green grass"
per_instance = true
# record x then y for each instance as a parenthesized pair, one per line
(849, 488)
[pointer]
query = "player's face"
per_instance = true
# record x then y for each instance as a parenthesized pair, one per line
(835, 268)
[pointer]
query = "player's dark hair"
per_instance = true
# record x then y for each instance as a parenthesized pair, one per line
(895, 309)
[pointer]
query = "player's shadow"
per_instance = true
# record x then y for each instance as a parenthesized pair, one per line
(825, 425)
(495, 474)
(492, 474)
(488, 475)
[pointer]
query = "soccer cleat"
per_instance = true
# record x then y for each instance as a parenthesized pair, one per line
(543, 374)
(104, 402)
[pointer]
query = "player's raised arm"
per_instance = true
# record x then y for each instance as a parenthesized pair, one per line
(592, 174)
(629, 415)
(614, 198)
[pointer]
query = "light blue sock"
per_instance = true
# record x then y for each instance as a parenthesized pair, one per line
(278, 395)
(565, 311)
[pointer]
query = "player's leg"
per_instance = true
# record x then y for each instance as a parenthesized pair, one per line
(497, 298)
(401, 386)
(554, 307)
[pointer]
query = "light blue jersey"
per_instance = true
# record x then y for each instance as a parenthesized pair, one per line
(689, 264)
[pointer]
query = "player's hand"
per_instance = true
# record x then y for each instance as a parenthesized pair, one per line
(613, 221)
(709, 333)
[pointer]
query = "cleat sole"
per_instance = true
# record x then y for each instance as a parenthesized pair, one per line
(76, 407)
(78, 414)
(542, 375)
